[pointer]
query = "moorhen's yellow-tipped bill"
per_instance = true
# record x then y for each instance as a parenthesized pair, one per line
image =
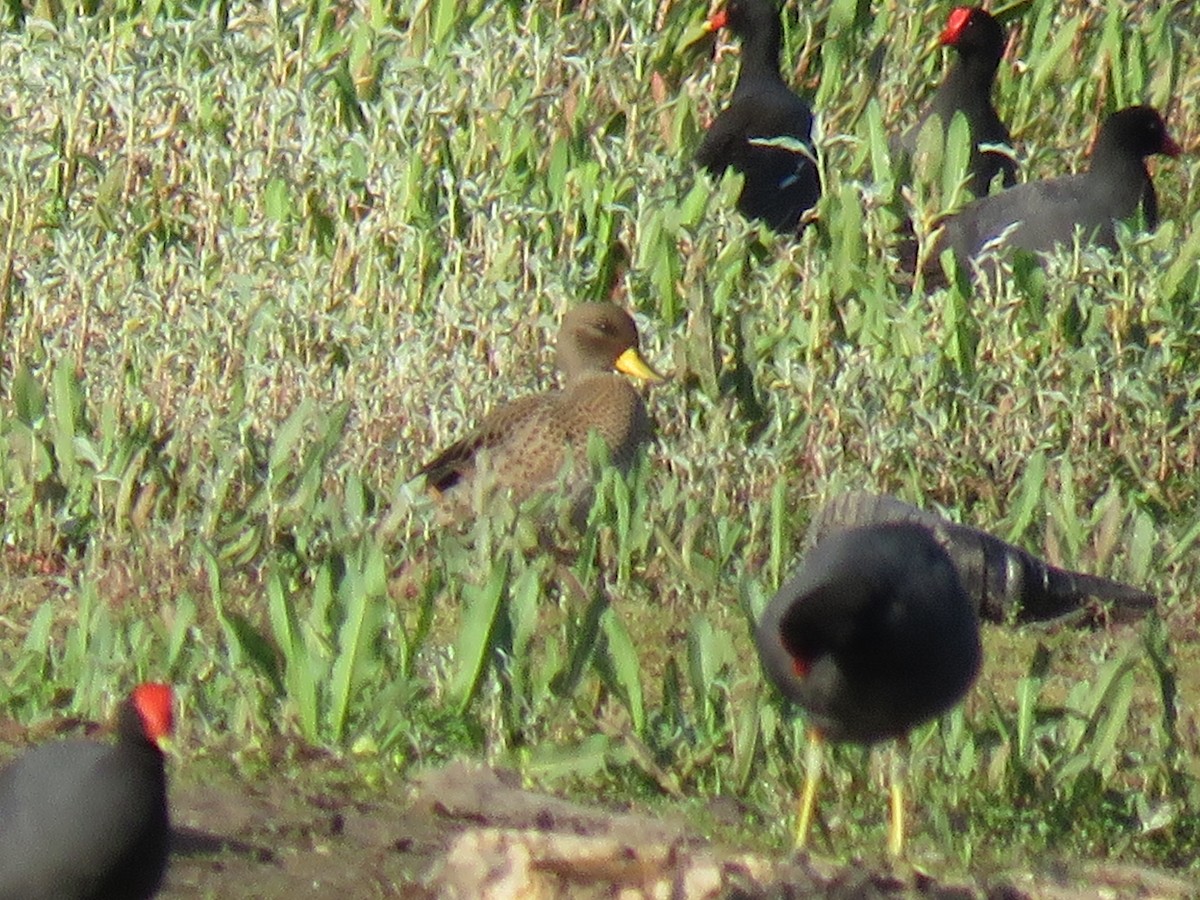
(717, 20)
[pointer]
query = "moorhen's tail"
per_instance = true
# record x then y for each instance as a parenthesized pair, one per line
(1007, 583)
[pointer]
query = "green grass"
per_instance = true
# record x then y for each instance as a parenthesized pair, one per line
(258, 262)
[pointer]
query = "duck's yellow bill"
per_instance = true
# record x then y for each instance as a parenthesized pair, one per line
(631, 363)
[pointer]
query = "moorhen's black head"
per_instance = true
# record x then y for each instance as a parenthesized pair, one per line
(974, 34)
(1137, 130)
(749, 18)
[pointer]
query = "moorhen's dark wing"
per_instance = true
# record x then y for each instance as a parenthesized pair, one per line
(1035, 217)
(1006, 583)
(781, 183)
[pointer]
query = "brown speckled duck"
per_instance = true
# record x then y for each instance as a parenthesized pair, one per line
(523, 445)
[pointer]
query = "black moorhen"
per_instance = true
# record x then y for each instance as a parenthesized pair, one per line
(1007, 584)
(874, 635)
(80, 820)
(781, 183)
(1040, 215)
(978, 40)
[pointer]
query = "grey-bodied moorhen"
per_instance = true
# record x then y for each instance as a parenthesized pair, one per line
(81, 820)
(872, 636)
(1039, 215)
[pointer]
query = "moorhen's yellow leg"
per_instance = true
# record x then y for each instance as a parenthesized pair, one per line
(808, 794)
(895, 844)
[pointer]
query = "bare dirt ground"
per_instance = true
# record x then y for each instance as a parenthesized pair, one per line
(468, 832)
